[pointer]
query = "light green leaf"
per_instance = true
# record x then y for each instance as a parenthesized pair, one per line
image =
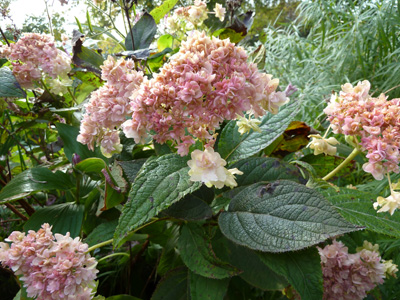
(281, 216)
(203, 288)
(357, 207)
(160, 183)
(34, 180)
(9, 86)
(101, 233)
(233, 146)
(196, 253)
(66, 217)
(160, 11)
(301, 268)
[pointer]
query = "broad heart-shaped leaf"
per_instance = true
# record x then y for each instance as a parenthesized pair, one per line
(301, 268)
(256, 169)
(195, 249)
(255, 272)
(203, 288)
(232, 146)
(160, 183)
(66, 217)
(69, 134)
(131, 168)
(173, 286)
(143, 33)
(281, 216)
(9, 86)
(357, 207)
(160, 11)
(35, 180)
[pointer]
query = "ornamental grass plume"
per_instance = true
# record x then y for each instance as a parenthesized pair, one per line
(350, 276)
(208, 81)
(36, 57)
(52, 267)
(374, 120)
(109, 106)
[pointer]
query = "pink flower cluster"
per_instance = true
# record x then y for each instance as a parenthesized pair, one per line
(350, 276)
(206, 82)
(33, 54)
(52, 268)
(374, 120)
(109, 105)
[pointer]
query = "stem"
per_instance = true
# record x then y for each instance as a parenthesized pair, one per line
(47, 90)
(4, 37)
(99, 245)
(72, 95)
(48, 16)
(343, 164)
(129, 25)
(16, 211)
(112, 255)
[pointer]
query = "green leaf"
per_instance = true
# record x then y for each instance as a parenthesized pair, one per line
(69, 134)
(301, 268)
(115, 185)
(356, 207)
(173, 286)
(131, 168)
(165, 41)
(203, 288)
(160, 11)
(66, 217)
(192, 207)
(34, 180)
(9, 85)
(143, 33)
(281, 216)
(196, 253)
(160, 183)
(256, 169)
(101, 233)
(255, 272)
(232, 146)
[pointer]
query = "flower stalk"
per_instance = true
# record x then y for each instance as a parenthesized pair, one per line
(352, 155)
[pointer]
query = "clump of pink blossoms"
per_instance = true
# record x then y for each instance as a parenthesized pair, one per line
(35, 57)
(109, 106)
(208, 81)
(374, 120)
(52, 267)
(350, 276)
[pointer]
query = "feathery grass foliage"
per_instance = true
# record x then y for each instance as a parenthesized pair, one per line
(334, 42)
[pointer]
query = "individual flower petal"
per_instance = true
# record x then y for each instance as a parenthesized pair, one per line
(207, 166)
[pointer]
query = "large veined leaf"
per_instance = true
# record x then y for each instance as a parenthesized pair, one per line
(160, 183)
(9, 86)
(173, 286)
(301, 268)
(256, 169)
(160, 11)
(233, 146)
(203, 288)
(356, 207)
(281, 216)
(143, 33)
(195, 249)
(255, 272)
(34, 180)
(66, 217)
